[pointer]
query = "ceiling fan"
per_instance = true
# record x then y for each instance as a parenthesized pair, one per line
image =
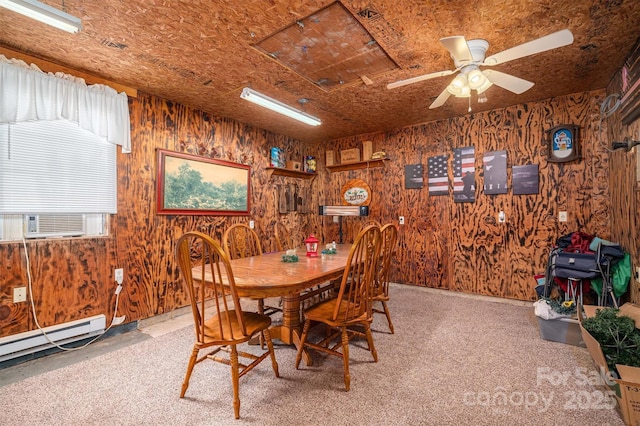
(469, 56)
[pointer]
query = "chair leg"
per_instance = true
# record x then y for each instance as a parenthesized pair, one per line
(386, 312)
(192, 363)
(372, 348)
(261, 312)
(267, 336)
(235, 378)
(345, 358)
(303, 338)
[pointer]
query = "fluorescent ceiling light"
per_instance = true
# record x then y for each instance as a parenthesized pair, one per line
(44, 13)
(277, 106)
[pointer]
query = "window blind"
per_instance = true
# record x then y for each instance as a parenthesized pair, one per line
(55, 167)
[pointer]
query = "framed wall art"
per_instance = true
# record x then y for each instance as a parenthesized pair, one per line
(525, 179)
(413, 176)
(191, 185)
(438, 176)
(495, 172)
(464, 175)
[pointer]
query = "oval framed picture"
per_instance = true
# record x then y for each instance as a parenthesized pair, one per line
(355, 192)
(563, 143)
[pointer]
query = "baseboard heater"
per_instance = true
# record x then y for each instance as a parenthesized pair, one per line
(21, 344)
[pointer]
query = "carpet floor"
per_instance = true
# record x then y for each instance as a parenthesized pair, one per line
(453, 360)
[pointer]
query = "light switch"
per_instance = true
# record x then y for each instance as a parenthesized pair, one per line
(562, 216)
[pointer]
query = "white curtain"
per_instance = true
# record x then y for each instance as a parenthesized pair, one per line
(28, 94)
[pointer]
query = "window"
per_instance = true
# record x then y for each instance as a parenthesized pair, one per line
(56, 179)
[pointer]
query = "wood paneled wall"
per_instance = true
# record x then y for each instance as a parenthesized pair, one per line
(73, 279)
(461, 246)
(625, 187)
(455, 246)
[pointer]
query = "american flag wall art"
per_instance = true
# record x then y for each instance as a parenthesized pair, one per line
(438, 177)
(464, 174)
(413, 176)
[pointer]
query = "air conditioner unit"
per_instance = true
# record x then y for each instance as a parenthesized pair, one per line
(54, 225)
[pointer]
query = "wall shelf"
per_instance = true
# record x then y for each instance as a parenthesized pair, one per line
(369, 164)
(279, 171)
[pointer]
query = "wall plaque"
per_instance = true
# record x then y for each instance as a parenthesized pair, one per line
(355, 192)
(563, 143)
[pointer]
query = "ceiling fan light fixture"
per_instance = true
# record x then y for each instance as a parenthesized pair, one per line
(485, 85)
(469, 55)
(458, 84)
(465, 92)
(279, 107)
(44, 13)
(476, 79)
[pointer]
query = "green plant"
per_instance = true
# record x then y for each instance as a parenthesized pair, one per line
(617, 335)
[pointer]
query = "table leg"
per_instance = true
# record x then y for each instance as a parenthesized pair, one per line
(290, 320)
(289, 331)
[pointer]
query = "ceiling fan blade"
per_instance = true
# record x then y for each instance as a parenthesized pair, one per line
(458, 47)
(441, 99)
(419, 78)
(509, 82)
(542, 44)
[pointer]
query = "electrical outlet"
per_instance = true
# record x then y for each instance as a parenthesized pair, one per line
(252, 224)
(401, 220)
(336, 219)
(562, 216)
(638, 273)
(19, 294)
(119, 275)
(501, 217)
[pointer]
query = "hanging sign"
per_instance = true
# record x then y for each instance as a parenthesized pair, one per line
(356, 192)
(562, 142)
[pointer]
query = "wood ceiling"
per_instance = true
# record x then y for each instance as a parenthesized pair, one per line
(201, 54)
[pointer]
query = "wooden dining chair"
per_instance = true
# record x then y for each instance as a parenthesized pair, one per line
(284, 239)
(372, 222)
(220, 323)
(389, 238)
(351, 307)
(240, 241)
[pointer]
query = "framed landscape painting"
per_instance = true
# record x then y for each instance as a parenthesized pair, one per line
(192, 185)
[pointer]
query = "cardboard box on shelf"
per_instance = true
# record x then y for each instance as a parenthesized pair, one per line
(367, 150)
(629, 382)
(294, 165)
(330, 158)
(350, 155)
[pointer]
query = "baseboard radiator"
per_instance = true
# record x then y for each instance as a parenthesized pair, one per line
(21, 344)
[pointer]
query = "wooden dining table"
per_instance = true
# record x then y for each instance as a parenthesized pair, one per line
(267, 275)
